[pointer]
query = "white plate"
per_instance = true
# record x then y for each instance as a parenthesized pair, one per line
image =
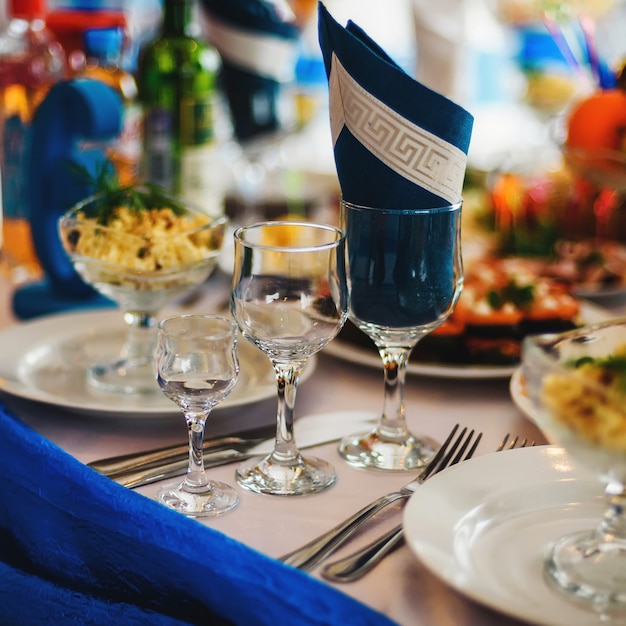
(362, 356)
(45, 359)
(591, 313)
(601, 295)
(482, 527)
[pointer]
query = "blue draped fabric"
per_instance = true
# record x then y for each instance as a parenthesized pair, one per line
(77, 548)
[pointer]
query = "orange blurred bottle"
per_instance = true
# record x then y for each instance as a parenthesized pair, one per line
(103, 49)
(31, 61)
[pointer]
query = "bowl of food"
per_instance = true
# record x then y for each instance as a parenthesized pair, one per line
(141, 248)
(576, 382)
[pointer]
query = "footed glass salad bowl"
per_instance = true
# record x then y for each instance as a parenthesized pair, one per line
(577, 384)
(142, 249)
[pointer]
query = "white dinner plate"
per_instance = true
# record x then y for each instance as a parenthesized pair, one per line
(45, 360)
(591, 313)
(601, 295)
(482, 527)
(362, 356)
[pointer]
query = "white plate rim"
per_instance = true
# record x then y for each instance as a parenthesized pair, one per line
(600, 293)
(361, 356)
(346, 351)
(431, 538)
(520, 397)
(19, 339)
(523, 402)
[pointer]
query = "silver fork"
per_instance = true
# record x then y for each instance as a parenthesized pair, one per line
(513, 443)
(309, 555)
(359, 563)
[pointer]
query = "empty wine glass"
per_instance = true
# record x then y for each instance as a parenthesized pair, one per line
(575, 382)
(197, 367)
(289, 298)
(405, 276)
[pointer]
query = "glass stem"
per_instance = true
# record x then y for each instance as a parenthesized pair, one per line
(285, 449)
(196, 480)
(140, 336)
(613, 523)
(393, 425)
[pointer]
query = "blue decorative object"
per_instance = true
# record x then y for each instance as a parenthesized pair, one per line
(70, 129)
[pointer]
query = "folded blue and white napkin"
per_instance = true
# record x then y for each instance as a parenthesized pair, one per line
(258, 43)
(77, 548)
(397, 143)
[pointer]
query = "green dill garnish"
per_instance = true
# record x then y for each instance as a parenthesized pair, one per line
(583, 360)
(613, 365)
(612, 362)
(521, 296)
(110, 196)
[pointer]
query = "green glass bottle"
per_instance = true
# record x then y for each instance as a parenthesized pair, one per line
(177, 77)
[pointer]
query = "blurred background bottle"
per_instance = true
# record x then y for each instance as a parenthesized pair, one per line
(103, 51)
(177, 74)
(31, 61)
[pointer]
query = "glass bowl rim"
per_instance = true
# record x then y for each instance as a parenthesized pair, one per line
(537, 349)
(124, 271)
(71, 219)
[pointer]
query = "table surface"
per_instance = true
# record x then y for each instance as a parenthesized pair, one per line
(400, 586)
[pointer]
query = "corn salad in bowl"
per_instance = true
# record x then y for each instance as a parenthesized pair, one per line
(577, 384)
(141, 248)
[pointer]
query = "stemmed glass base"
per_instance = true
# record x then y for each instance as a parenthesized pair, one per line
(126, 376)
(133, 371)
(390, 446)
(300, 477)
(210, 500)
(375, 451)
(590, 566)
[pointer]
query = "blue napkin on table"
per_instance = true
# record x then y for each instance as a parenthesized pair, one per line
(77, 548)
(257, 41)
(397, 143)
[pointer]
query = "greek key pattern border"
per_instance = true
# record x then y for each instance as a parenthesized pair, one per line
(411, 151)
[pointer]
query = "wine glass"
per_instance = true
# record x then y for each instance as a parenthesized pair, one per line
(405, 276)
(575, 381)
(142, 259)
(289, 298)
(197, 367)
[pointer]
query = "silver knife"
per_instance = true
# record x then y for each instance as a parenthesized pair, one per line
(312, 432)
(141, 477)
(242, 442)
(124, 463)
